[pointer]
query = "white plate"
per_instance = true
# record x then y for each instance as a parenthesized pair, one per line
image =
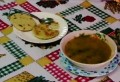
(28, 36)
(78, 71)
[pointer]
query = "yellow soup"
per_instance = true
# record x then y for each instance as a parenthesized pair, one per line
(87, 49)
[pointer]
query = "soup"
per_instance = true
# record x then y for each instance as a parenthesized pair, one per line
(87, 49)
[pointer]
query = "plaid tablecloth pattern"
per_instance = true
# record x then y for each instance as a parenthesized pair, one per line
(26, 60)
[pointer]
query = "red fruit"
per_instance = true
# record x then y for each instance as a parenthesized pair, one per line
(88, 18)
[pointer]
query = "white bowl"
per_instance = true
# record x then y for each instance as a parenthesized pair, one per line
(88, 67)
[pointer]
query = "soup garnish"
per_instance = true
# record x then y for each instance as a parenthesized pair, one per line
(88, 49)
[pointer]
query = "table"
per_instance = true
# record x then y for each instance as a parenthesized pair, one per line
(21, 61)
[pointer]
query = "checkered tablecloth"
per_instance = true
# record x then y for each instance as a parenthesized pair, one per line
(21, 61)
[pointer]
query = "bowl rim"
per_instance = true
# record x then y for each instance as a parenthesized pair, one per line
(92, 31)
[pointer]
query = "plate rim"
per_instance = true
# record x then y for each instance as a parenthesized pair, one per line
(62, 34)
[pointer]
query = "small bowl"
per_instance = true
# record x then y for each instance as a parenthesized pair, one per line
(88, 67)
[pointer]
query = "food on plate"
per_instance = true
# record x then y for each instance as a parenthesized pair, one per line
(88, 49)
(22, 21)
(46, 29)
(54, 25)
(42, 31)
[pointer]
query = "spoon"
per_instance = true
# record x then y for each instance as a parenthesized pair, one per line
(43, 20)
